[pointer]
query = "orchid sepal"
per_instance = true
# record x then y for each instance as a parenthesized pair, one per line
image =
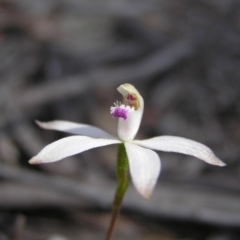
(75, 128)
(181, 145)
(144, 167)
(69, 146)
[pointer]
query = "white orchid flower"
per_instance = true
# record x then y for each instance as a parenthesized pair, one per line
(144, 163)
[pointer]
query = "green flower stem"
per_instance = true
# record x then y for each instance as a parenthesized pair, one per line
(122, 185)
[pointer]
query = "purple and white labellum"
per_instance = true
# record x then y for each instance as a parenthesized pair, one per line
(129, 112)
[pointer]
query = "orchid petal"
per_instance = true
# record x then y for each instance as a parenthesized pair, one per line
(69, 146)
(144, 168)
(127, 129)
(75, 128)
(181, 145)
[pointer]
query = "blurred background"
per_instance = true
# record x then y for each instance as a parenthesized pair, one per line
(64, 60)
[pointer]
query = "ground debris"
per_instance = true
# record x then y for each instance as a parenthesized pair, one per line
(64, 60)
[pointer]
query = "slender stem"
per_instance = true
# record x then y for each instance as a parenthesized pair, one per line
(122, 185)
(115, 212)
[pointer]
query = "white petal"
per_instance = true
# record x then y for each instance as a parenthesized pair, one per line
(127, 129)
(181, 145)
(144, 167)
(75, 128)
(69, 146)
